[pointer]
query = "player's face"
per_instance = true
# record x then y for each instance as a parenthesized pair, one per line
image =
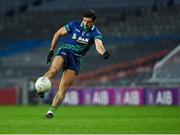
(88, 22)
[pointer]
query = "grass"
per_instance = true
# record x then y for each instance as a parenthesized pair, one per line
(90, 119)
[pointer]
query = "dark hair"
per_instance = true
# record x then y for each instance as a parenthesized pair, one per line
(90, 14)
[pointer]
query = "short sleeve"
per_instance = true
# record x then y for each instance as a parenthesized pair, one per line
(97, 34)
(69, 26)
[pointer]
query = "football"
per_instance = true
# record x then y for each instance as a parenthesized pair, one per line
(42, 84)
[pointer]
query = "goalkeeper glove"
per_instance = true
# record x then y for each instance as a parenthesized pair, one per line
(106, 55)
(50, 55)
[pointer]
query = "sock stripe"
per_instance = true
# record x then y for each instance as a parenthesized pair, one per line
(52, 108)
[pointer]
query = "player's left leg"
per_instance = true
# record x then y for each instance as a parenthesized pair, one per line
(57, 64)
(66, 81)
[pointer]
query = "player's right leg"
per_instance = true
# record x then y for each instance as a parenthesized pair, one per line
(56, 65)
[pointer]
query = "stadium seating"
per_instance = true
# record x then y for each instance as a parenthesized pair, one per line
(130, 28)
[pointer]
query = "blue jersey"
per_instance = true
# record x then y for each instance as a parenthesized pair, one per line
(80, 39)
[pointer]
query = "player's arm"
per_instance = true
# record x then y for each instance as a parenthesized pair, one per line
(100, 49)
(62, 31)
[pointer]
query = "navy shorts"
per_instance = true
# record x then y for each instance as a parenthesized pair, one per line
(71, 61)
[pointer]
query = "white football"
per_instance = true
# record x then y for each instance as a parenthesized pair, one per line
(42, 84)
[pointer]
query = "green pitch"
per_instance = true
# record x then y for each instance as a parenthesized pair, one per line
(89, 119)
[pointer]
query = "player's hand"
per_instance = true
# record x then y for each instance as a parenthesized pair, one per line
(50, 55)
(106, 55)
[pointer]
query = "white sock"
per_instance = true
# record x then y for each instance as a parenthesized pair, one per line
(50, 112)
